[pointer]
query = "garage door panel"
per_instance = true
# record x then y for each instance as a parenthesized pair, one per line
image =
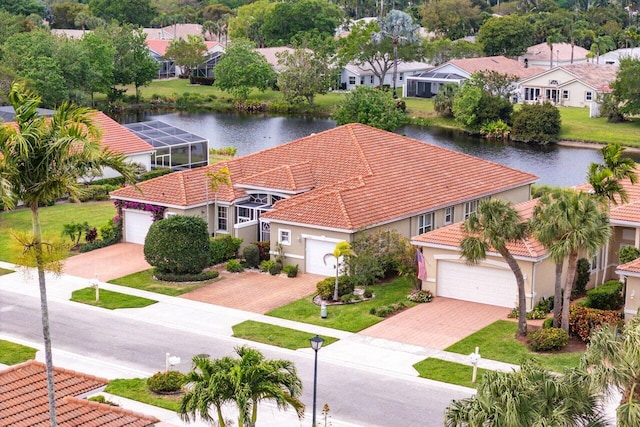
(137, 225)
(314, 257)
(477, 283)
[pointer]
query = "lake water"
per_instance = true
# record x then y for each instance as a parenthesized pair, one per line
(555, 165)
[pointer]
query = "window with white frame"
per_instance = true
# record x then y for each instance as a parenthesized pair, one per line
(261, 198)
(469, 208)
(425, 223)
(244, 214)
(400, 76)
(352, 80)
(284, 236)
(588, 96)
(223, 217)
(448, 215)
(565, 94)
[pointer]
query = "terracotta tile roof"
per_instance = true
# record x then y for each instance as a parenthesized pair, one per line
(160, 46)
(598, 77)
(373, 177)
(451, 235)
(118, 138)
(630, 267)
(541, 52)
(500, 64)
(23, 400)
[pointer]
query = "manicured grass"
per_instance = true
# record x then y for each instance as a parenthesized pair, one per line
(498, 342)
(109, 299)
(144, 280)
(136, 389)
(577, 126)
(275, 335)
(52, 219)
(448, 372)
(12, 353)
(348, 317)
(4, 271)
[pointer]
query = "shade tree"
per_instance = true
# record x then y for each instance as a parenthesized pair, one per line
(304, 74)
(370, 106)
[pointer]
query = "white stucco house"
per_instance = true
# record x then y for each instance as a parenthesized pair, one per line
(354, 75)
(614, 57)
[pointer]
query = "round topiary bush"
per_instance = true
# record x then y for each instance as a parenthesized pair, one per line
(325, 287)
(251, 255)
(547, 339)
(166, 382)
(178, 245)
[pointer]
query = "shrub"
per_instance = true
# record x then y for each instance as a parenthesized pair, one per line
(91, 235)
(583, 320)
(178, 244)
(96, 192)
(101, 399)
(234, 266)
(607, 296)
(251, 255)
(419, 295)
(545, 305)
(108, 231)
(387, 310)
(264, 248)
(347, 298)
(627, 254)
(495, 130)
(369, 106)
(166, 382)
(443, 100)
(368, 293)
(200, 277)
(536, 123)
(291, 270)
(583, 274)
(265, 266)
(275, 269)
(531, 315)
(548, 323)
(224, 248)
(547, 339)
(325, 287)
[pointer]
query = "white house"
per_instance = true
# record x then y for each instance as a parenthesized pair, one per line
(614, 57)
(354, 75)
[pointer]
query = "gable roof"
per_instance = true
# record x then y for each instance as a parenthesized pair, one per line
(160, 46)
(403, 67)
(632, 268)
(561, 52)
(598, 77)
(24, 403)
(451, 235)
(359, 176)
(119, 139)
(499, 63)
(270, 54)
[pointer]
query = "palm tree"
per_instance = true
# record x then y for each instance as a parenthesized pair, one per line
(600, 44)
(399, 27)
(42, 160)
(341, 250)
(216, 179)
(605, 178)
(207, 385)
(612, 362)
(529, 397)
(493, 226)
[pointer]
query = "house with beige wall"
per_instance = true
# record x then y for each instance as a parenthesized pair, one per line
(306, 195)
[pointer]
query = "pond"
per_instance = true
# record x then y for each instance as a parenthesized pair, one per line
(555, 165)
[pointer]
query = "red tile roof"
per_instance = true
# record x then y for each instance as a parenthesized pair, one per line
(500, 64)
(541, 52)
(160, 46)
(119, 139)
(23, 400)
(451, 235)
(630, 267)
(598, 77)
(360, 176)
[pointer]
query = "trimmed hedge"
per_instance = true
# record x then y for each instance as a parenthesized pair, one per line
(325, 287)
(547, 339)
(536, 123)
(251, 255)
(291, 270)
(607, 296)
(223, 248)
(583, 320)
(166, 382)
(233, 266)
(200, 277)
(178, 244)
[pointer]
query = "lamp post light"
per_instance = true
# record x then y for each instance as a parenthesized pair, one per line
(316, 344)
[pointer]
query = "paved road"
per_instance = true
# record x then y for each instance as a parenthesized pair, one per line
(355, 395)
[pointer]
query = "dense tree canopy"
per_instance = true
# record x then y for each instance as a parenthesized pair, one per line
(370, 106)
(23, 7)
(453, 19)
(505, 35)
(304, 74)
(137, 12)
(625, 87)
(187, 53)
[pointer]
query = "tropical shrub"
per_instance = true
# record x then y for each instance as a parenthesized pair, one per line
(166, 382)
(387, 310)
(443, 100)
(583, 274)
(178, 244)
(263, 248)
(495, 130)
(420, 295)
(325, 287)
(200, 277)
(548, 323)
(583, 320)
(275, 268)
(265, 266)
(531, 315)
(536, 123)
(369, 106)
(91, 235)
(223, 248)
(547, 339)
(109, 231)
(74, 231)
(627, 254)
(607, 296)
(290, 270)
(233, 266)
(251, 255)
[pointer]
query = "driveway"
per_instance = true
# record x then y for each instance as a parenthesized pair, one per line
(255, 292)
(438, 324)
(108, 263)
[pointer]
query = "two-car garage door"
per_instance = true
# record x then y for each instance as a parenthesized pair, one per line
(477, 283)
(137, 225)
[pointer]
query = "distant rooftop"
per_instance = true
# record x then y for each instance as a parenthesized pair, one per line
(8, 114)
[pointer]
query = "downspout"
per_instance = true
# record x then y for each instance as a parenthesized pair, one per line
(533, 284)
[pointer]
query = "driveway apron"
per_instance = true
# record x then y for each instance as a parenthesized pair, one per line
(107, 263)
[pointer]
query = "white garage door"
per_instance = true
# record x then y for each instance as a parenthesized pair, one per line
(137, 225)
(314, 257)
(478, 284)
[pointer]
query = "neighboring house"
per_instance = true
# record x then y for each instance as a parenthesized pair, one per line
(158, 49)
(270, 54)
(540, 55)
(354, 75)
(23, 400)
(309, 194)
(614, 57)
(69, 33)
(427, 84)
(630, 275)
(8, 114)
(575, 85)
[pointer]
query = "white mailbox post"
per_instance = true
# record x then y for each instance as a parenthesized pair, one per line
(474, 358)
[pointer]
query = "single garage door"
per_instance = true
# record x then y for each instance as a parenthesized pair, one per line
(314, 257)
(478, 284)
(137, 225)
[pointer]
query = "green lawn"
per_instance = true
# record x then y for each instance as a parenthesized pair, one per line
(448, 372)
(276, 335)
(136, 389)
(4, 271)
(12, 353)
(348, 317)
(144, 280)
(52, 219)
(109, 299)
(577, 126)
(498, 342)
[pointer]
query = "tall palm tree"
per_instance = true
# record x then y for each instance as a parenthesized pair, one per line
(493, 226)
(529, 397)
(399, 27)
(605, 177)
(216, 180)
(42, 160)
(602, 44)
(612, 362)
(341, 250)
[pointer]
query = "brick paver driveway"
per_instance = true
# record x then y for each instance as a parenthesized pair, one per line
(438, 324)
(108, 263)
(256, 292)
